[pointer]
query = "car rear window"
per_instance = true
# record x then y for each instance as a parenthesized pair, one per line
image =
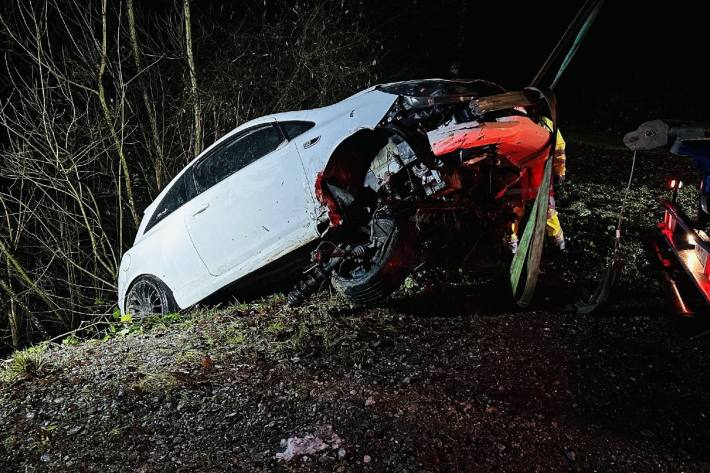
(178, 195)
(294, 128)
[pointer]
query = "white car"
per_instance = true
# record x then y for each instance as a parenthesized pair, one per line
(364, 183)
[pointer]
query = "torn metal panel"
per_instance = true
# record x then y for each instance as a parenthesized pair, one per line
(417, 94)
(505, 101)
(514, 137)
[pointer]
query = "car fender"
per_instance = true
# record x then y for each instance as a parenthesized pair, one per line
(318, 144)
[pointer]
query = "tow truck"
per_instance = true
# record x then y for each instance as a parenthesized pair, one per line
(680, 244)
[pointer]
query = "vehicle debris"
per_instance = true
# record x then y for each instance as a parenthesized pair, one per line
(323, 439)
(434, 177)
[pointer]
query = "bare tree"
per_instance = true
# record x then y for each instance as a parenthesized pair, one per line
(98, 119)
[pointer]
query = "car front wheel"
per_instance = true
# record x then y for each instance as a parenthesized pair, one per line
(375, 277)
(149, 296)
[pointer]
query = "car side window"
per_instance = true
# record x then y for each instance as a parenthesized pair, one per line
(236, 154)
(178, 195)
(294, 128)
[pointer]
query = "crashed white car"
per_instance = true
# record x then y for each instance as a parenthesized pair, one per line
(364, 188)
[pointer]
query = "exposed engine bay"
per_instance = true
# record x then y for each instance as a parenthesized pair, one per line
(442, 178)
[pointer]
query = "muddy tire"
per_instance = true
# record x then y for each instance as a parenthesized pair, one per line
(149, 296)
(383, 276)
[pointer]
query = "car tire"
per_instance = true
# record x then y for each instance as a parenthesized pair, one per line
(149, 296)
(384, 276)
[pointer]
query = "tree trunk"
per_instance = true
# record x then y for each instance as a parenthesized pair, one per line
(25, 277)
(159, 159)
(193, 79)
(12, 313)
(108, 116)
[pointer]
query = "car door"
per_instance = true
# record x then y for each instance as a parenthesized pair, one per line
(163, 247)
(252, 205)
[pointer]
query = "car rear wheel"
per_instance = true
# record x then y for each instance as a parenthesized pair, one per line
(149, 296)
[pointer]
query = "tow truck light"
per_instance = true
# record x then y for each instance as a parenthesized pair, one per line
(675, 184)
(691, 239)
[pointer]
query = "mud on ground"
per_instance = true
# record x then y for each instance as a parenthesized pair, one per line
(443, 379)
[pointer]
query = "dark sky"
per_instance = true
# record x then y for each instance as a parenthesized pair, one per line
(641, 60)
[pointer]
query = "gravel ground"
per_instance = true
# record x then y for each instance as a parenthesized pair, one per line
(447, 379)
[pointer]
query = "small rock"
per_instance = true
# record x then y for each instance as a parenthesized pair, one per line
(44, 458)
(571, 456)
(30, 415)
(369, 401)
(341, 453)
(366, 459)
(74, 430)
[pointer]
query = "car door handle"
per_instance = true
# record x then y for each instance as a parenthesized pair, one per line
(200, 210)
(311, 142)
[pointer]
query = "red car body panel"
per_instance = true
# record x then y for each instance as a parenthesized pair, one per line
(524, 143)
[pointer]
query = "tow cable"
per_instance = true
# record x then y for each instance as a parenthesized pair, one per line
(601, 294)
(530, 250)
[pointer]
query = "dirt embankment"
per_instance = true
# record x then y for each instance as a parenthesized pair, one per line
(443, 380)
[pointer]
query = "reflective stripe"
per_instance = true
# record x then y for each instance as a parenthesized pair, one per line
(553, 228)
(558, 164)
